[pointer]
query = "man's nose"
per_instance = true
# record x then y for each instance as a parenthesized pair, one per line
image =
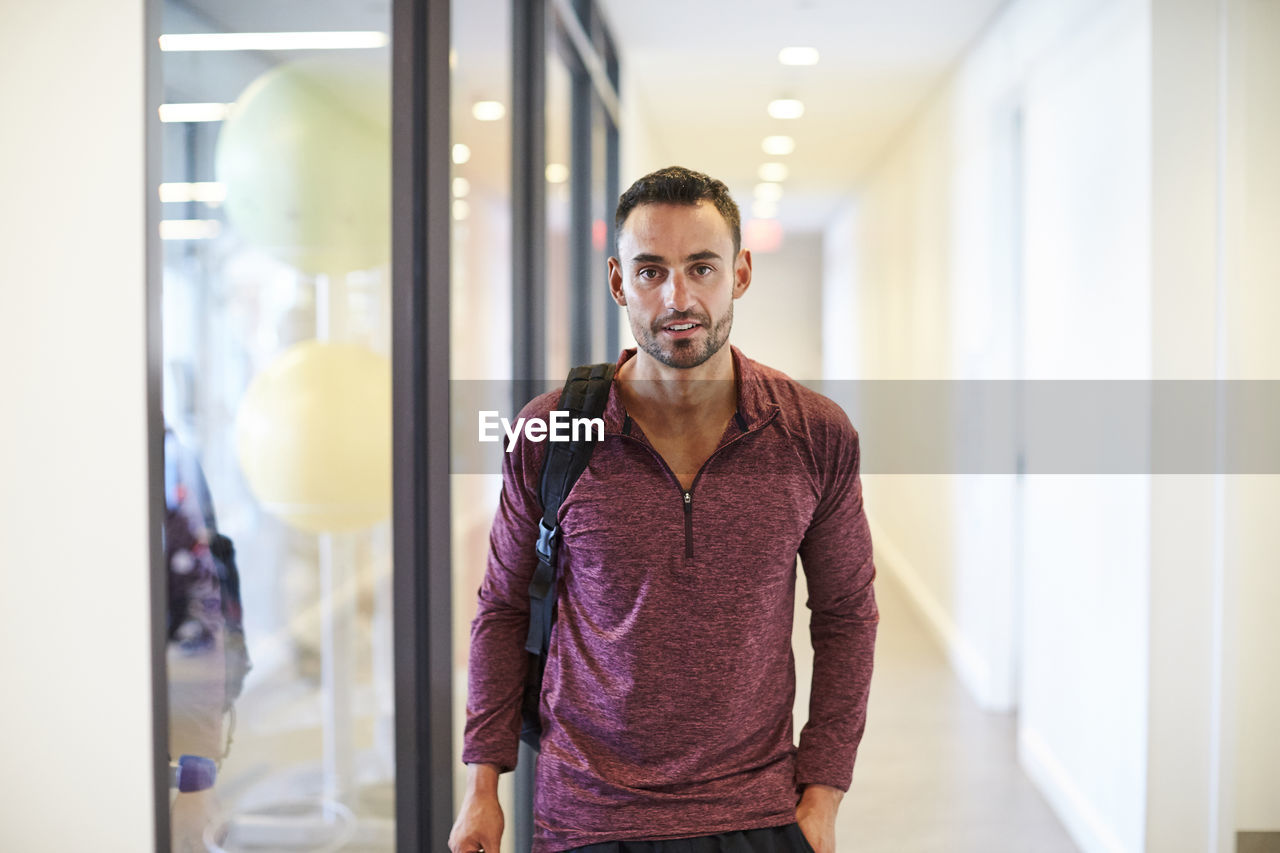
(679, 297)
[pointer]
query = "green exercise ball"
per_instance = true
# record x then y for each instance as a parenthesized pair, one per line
(305, 155)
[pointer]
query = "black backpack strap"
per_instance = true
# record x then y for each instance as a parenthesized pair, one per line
(586, 392)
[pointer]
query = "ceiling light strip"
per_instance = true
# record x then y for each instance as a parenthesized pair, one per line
(189, 229)
(181, 42)
(193, 112)
(206, 191)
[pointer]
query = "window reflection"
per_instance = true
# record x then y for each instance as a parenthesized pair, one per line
(276, 209)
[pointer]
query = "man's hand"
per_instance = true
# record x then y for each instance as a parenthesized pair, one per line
(816, 815)
(479, 823)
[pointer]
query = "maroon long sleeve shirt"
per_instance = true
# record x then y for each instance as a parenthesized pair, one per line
(669, 685)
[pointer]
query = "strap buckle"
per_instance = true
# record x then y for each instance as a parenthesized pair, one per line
(540, 585)
(547, 541)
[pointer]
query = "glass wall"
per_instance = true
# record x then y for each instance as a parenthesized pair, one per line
(480, 309)
(277, 319)
(507, 294)
(277, 402)
(582, 47)
(561, 73)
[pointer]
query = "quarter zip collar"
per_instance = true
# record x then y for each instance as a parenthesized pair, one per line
(756, 405)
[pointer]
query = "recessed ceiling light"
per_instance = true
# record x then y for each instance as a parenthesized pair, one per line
(461, 187)
(461, 153)
(189, 229)
(798, 56)
(488, 110)
(768, 192)
(461, 210)
(762, 209)
(778, 146)
(209, 191)
(194, 112)
(557, 173)
(773, 172)
(272, 41)
(786, 108)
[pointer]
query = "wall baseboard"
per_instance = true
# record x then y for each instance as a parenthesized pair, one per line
(1087, 828)
(965, 660)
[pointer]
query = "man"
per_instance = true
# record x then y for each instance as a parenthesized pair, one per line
(666, 705)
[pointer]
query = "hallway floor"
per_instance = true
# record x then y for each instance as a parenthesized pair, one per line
(935, 773)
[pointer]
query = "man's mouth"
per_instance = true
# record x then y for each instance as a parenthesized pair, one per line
(681, 327)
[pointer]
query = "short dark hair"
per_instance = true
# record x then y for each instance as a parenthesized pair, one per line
(678, 185)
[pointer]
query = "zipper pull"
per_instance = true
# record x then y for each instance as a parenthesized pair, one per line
(688, 525)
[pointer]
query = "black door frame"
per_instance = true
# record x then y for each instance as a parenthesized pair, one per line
(420, 423)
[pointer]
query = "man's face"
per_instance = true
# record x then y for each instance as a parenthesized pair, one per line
(677, 275)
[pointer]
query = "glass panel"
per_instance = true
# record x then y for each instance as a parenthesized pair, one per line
(601, 211)
(277, 400)
(480, 345)
(559, 167)
(603, 200)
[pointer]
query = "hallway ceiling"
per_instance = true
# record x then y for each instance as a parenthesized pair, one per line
(698, 77)
(701, 74)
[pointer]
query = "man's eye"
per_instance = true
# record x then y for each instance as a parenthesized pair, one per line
(648, 274)
(702, 269)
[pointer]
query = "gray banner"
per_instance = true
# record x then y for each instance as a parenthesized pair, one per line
(1003, 427)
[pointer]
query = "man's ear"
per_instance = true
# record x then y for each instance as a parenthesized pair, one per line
(742, 273)
(615, 282)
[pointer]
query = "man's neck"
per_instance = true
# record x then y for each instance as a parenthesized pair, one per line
(660, 396)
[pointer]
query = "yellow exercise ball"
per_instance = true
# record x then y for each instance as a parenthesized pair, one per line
(314, 437)
(305, 155)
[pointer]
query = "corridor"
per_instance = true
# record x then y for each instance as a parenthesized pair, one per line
(935, 773)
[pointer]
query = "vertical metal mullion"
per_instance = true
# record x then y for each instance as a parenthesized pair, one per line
(581, 350)
(154, 91)
(420, 423)
(529, 271)
(612, 188)
(528, 199)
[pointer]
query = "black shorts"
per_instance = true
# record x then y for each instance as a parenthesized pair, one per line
(773, 839)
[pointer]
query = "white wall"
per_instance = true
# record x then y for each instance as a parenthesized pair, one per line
(1083, 710)
(1142, 656)
(1215, 696)
(1252, 306)
(1185, 511)
(938, 296)
(74, 562)
(775, 319)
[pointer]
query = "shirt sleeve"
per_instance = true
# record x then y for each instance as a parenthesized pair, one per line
(839, 570)
(498, 663)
